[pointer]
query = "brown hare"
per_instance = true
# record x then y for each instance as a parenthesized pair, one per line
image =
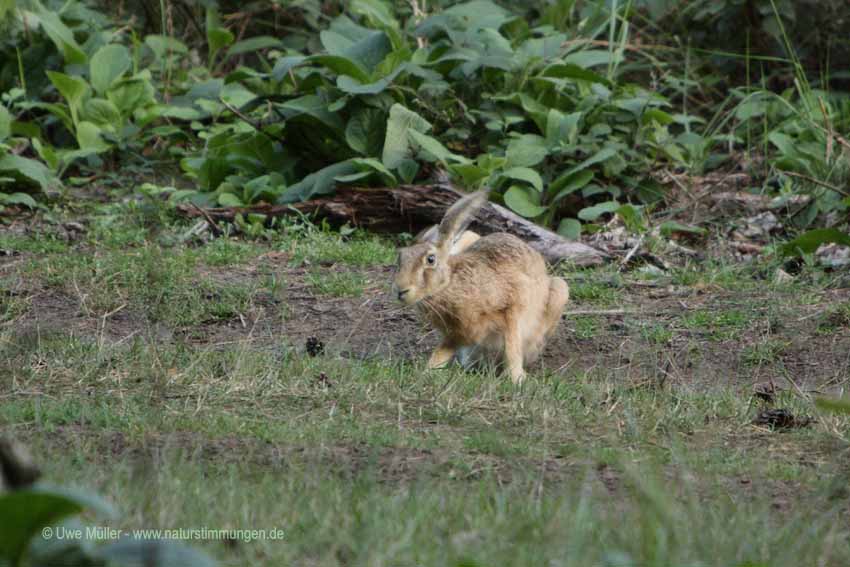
(492, 293)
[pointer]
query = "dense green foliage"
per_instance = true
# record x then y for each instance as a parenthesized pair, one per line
(562, 107)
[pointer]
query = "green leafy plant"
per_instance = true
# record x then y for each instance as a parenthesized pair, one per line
(40, 524)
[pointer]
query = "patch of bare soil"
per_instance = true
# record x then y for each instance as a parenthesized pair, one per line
(780, 339)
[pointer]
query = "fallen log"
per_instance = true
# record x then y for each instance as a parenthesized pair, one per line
(410, 208)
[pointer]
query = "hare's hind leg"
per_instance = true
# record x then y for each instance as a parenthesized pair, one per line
(559, 294)
(552, 310)
(514, 356)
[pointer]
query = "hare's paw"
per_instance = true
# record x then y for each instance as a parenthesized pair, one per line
(442, 355)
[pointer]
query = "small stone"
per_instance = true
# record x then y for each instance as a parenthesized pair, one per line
(782, 277)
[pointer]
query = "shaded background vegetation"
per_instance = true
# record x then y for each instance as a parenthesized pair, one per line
(573, 111)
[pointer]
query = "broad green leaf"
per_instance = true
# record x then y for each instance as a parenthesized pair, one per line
(783, 142)
(751, 108)
(369, 166)
(335, 43)
(364, 47)
(669, 228)
(396, 143)
(526, 150)
(525, 174)
(162, 45)
(344, 33)
(108, 65)
(341, 66)
(6, 7)
(407, 170)
(471, 174)
(352, 86)
(600, 156)
(532, 107)
(575, 72)
(377, 11)
(590, 58)
(314, 106)
(46, 153)
(28, 129)
(236, 95)
(130, 94)
(433, 147)
(179, 112)
(371, 50)
(561, 128)
(283, 65)
(318, 183)
(809, 242)
(73, 89)
(543, 48)
(102, 112)
(632, 217)
(18, 199)
(657, 115)
(253, 44)
(229, 200)
(67, 157)
(29, 169)
(58, 33)
(570, 229)
(596, 211)
(468, 16)
(89, 137)
(5, 123)
(569, 183)
(218, 37)
(524, 201)
(23, 514)
(364, 132)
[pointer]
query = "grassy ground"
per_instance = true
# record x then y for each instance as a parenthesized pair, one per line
(172, 378)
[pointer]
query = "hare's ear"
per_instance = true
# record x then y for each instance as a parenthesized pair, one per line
(428, 235)
(458, 217)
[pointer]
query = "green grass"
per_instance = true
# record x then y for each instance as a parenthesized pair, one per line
(657, 334)
(764, 352)
(385, 462)
(310, 245)
(586, 327)
(337, 284)
(601, 293)
(717, 325)
(394, 453)
(36, 244)
(837, 317)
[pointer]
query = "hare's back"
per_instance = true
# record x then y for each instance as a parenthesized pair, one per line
(503, 251)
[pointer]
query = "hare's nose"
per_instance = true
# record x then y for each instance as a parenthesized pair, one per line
(402, 293)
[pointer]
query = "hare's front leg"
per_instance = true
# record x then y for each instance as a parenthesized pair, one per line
(513, 351)
(442, 354)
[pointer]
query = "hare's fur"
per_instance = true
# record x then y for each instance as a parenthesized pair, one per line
(491, 293)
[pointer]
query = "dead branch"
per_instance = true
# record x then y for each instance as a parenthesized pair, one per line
(410, 208)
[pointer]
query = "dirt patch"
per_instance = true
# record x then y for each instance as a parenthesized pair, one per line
(652, 336)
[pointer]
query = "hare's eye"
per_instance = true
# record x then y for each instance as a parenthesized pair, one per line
(431, 259)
